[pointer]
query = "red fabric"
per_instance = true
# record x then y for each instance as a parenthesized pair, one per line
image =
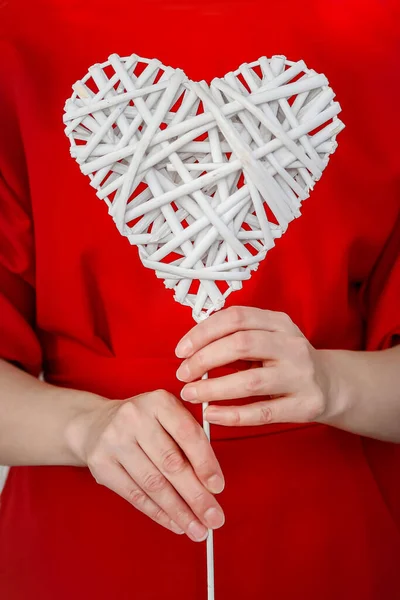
(312, 512)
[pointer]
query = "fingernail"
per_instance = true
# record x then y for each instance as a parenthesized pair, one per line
(197, 531)
(175, 528)
(183, 373)
(214, 518)
(215, 484)
(184, 348)
(189, 393)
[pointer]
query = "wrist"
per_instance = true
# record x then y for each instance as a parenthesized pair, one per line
(338, 386)
(85, 409)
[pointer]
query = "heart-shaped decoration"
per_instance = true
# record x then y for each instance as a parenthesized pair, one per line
(202, 178)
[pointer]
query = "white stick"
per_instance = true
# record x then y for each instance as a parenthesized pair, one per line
(210, 539)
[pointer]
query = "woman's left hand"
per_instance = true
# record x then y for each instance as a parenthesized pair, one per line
(291, 378)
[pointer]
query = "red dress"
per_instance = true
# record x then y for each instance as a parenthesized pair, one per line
(311, 512)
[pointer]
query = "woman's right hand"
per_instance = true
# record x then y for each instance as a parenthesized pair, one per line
(150, 450)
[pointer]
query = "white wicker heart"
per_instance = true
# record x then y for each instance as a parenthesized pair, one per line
(202, 178)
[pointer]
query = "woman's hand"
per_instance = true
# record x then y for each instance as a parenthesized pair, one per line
(151, 451)
(355, 391)
(291, 378)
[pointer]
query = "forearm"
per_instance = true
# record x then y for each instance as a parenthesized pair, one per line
(364, 392)
(34, 419)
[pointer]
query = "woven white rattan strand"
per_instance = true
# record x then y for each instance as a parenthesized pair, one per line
(192, 205)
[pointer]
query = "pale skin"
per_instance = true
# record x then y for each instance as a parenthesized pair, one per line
(151, 451)
(355, 391)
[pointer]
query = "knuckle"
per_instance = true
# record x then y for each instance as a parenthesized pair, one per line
(120, 433)
(200, 360)
(108, 436)
(173, 461)
(237, 315)
(159, 515)
(234, 418)
(188, 429)
(199, 500)
(99, 478)
(315, 408)
(154, 482)
(162, 403)
(283, 319)
(136, 497)
(95, 461)
(163, 397)
(96, 464)
(243, 343)
(300, 347)
(254, 381)
(126, 412)
(203, 468)
(182, 516)
(309, 414)
(265, 414)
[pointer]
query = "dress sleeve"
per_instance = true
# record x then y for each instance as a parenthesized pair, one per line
(382, 295)
(19, 342)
